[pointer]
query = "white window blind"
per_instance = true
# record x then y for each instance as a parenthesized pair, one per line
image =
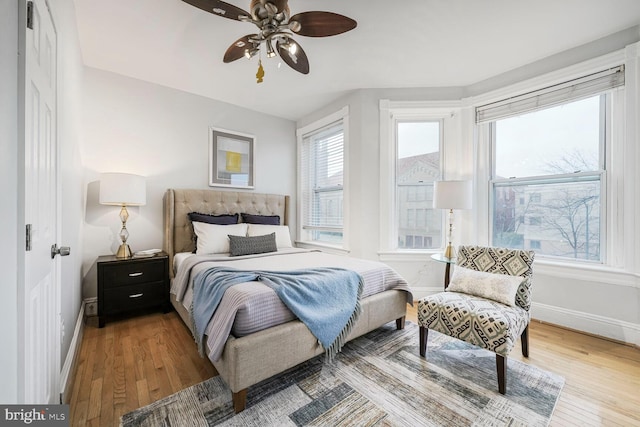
(322, 167)
(553, 95)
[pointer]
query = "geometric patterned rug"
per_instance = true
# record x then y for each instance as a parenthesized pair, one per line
(378, 379)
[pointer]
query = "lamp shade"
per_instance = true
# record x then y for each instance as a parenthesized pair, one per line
(122, 189)
(452, 195)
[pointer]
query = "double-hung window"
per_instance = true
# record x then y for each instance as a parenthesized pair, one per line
(321, 183)
(417, 167)
(549, 148)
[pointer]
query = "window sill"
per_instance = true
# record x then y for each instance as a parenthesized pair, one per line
(323, 247)
(408, 256)
(585, 272)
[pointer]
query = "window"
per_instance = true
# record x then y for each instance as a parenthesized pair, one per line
(321, 184)
(549, 153)
(535, 220)
(417, 166)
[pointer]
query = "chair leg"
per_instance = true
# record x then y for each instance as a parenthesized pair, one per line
(400, 323)
(424, 335)
(501, 367)
(239, 400)
(525, 341)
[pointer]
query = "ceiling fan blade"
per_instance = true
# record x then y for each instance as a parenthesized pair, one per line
(238, 48)
(298, 60)
(219, 8)
(322, 24)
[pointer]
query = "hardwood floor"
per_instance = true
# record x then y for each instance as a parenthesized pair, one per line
(133, 362)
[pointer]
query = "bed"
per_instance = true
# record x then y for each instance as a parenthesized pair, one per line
(246, 357)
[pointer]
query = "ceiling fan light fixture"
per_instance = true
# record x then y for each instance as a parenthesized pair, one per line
(270, 52)
(292, 47)
(275, 23)
(250, 53)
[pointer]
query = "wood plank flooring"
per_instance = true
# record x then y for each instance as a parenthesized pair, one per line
(132, 362)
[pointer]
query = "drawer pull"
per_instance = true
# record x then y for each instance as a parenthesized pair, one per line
(135, 274)
(135, 295)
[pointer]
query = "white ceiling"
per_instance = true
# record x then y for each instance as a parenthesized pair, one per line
(397, 44)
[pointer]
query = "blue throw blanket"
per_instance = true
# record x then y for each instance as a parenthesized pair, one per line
(325, 299)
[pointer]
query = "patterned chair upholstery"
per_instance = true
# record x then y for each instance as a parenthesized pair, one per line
(479, 321)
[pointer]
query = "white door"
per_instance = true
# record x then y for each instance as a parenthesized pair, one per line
(41, 298)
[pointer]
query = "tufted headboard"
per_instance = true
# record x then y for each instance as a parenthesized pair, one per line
(178, 231)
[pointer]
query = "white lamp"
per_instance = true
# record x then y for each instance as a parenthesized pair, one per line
(451, 195)
(123, 189)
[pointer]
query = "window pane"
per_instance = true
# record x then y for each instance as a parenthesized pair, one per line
(557, 219)
(417, 166)
(322, 163)
(557, 140)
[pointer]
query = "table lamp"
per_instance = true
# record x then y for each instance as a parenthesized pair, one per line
(122, 189)
(451, 195)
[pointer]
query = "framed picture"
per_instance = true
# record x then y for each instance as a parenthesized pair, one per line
(231, 159)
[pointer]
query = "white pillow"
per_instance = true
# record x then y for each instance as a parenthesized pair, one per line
(213, 238)
(283, 238)
(495, 286)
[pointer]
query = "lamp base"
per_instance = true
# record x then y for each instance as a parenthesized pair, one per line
(449, 252)
(123, 251)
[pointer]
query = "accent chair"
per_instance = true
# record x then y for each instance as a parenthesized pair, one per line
(486, 303)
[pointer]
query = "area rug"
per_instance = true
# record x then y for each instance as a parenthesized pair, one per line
(378, 379)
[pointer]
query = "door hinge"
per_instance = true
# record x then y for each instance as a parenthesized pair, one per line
(30, 15)
(28, 237)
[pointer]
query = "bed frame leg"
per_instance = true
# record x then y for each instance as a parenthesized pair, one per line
(239, 400)
(400, 323)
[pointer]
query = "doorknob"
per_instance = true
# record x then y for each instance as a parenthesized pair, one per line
(62, 250)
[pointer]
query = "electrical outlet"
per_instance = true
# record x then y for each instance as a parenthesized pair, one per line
(91, 307)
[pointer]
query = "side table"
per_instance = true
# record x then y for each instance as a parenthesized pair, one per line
(447, 269)
(131, 284)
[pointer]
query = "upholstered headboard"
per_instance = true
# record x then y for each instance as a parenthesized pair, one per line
(178, 231)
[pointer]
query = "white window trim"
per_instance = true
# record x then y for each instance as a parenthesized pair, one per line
(342, 114)
(390, 112)
(617, 225)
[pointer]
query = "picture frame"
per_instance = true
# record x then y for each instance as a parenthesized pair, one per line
(231, 159)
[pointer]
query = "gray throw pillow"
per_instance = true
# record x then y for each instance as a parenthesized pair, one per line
(240, 245)
(261, 219)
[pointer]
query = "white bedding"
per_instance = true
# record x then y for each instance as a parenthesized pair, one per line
(252, 306)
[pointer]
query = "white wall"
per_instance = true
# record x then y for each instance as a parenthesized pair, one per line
(602, 301)
(70, 70)
(139, 127)
(9, 205)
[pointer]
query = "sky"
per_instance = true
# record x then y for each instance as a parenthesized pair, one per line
(525, 144)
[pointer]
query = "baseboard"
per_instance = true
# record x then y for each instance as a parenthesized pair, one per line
(594, 324)
(68, 369)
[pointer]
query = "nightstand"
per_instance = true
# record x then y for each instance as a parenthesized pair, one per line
(129, 285)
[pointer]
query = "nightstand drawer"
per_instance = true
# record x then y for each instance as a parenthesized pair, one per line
(123, 274)
(127, 298)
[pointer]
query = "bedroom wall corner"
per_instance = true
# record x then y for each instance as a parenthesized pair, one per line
(70, 70)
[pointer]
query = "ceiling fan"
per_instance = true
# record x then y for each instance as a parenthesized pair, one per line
(276, 27)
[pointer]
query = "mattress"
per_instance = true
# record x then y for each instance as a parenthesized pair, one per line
(250, 307)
